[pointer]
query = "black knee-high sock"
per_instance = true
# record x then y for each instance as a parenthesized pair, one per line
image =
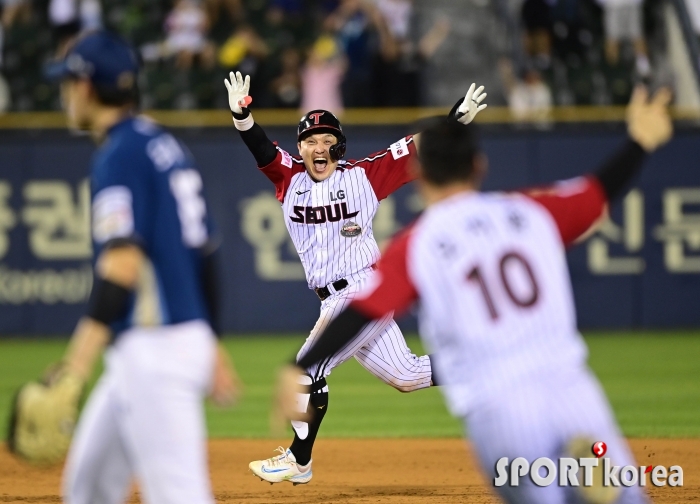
(318, 405)
(433, 379)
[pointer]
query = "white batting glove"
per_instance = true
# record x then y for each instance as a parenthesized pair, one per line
(238, 89)
(471, 105)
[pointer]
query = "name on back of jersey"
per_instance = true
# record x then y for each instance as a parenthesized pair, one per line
(165, 151)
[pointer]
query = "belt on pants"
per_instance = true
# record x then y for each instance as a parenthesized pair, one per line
(324, 292)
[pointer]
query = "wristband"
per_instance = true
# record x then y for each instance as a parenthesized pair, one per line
(242, 120)
(454, 112)
(108, 301)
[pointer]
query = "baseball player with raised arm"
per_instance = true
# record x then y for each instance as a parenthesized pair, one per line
(496, 306)
(153, 301)
(328, 206)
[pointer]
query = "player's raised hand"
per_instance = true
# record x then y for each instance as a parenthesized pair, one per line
(471, 105)
(288, 391)
(648, 120)
(238, 89)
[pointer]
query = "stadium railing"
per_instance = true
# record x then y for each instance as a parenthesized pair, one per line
(360, 116)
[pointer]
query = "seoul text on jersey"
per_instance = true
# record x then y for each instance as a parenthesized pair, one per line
(322, 214)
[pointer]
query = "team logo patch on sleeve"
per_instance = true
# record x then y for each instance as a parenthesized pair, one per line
(399, 149)
(286, 158)
(112, 214)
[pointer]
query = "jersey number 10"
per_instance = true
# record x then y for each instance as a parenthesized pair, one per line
(523, 300)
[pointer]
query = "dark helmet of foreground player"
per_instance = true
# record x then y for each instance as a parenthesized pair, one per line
(322, 121)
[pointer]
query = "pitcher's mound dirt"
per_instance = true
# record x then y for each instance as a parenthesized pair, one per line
(355, 471)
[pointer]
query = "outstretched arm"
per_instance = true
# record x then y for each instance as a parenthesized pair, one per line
(389, 170)
(649, 127)
(576, 205)
(277, 164)
(252, 134)
(465, 110)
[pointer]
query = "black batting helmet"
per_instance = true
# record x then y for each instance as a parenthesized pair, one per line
(322, 121)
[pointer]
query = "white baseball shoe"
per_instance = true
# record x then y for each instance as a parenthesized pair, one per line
(281, 468)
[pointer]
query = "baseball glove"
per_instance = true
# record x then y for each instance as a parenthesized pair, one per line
(43, 418)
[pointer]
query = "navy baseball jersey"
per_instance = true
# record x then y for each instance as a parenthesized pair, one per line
(147, 189)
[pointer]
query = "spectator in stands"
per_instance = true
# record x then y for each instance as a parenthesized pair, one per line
(529, 98)
(4, 88)
(398, 16)
(5, 99)
(286, 88)
(537, 19)
(290, 16)
(243, 51)
(322, 76)
(291, 8)
(2, 40)
(623, 22)
(186, 27)
(694, 12)
(12, 10)
(397, 72)
(281, 27)
(70, 17)
(354, 22)
(233, 8)
(5, 96)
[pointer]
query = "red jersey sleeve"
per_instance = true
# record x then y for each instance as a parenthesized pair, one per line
(391, 288)
(576, 205)
(388, 170)
(281, 170)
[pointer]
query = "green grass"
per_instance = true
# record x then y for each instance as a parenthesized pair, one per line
(650, 378)
(652, 381)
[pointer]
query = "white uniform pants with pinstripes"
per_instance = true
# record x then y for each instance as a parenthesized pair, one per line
(538, 417)
(144, 421)
(380, 348)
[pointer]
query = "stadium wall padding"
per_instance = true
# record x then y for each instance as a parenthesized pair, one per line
(640, 270)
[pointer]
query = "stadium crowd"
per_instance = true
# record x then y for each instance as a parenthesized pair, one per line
(332, 53)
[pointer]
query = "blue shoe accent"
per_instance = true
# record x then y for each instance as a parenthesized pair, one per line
(301, 479)
(270, 471)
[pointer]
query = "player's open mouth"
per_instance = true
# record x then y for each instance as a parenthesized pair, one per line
(320, 164)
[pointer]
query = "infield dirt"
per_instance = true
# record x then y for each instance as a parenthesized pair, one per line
(359, 471)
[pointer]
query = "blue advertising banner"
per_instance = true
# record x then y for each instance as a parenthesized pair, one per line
(640, 269)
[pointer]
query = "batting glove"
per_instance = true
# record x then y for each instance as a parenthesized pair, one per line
(467, 108)
(238, 98)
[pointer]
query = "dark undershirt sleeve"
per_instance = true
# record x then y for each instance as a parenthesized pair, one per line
(618, 171)
(339, 333)
(263, 150)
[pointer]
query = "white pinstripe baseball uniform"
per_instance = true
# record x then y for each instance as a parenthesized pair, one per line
(497, 310)
(330, 223)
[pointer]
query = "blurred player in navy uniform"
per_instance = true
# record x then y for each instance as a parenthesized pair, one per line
(153, 301)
